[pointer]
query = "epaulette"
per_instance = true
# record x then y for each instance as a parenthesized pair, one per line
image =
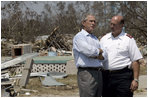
(129, 36)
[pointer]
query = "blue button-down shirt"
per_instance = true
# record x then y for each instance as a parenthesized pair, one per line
(85, 47)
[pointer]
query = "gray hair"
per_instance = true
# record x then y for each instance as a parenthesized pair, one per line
(84, 18)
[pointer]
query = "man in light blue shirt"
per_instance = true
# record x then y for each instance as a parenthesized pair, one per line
(88, 57)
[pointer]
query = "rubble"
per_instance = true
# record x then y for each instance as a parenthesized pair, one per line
(57, 40)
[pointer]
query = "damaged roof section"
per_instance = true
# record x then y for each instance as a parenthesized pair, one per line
(18, 60)
(50, 81)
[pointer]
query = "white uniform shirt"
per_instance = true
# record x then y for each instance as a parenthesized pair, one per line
(122, 51)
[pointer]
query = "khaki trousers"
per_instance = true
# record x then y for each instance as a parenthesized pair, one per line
(89, 82)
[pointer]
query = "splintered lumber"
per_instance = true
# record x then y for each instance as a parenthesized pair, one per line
(6, 83)
(18, 60)
(57, 40)
(55, 29)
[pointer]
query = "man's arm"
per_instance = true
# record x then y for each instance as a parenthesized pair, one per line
(136, 69)
(100, 57)
(81, 45)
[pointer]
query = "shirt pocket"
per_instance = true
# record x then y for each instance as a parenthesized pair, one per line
(122, 51)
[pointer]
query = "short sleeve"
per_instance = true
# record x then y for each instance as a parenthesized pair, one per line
(134, 52)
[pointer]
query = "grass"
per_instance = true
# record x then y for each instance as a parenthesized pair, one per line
(70, 89)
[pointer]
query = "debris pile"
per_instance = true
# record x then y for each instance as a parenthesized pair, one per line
(6, 47)
(59, 41)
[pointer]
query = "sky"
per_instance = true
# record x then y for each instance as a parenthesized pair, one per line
(37, 6)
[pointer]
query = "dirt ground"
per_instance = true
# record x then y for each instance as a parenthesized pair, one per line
(71, 87)
(69, 90)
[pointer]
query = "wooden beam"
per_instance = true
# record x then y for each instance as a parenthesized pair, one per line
(26, 72)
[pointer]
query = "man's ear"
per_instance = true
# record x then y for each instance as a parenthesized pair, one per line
(83, 23)
(121, 25)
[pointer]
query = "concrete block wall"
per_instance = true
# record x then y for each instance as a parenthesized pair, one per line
(43, 68)
(68, 68)
(49, 68)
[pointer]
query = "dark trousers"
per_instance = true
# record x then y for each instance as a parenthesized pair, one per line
(89, 82)
(117, 84)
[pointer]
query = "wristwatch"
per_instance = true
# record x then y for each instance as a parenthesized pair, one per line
(136, 80)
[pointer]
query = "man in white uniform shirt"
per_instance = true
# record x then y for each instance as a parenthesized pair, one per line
(121, 74)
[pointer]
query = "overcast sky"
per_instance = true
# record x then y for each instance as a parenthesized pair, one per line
(38, 6)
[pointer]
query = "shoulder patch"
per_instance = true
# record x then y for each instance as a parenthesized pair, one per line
(129, 35)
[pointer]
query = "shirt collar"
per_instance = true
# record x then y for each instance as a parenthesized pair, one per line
(119, 36)
(86, 33)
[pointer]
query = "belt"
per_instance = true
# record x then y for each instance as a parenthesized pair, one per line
(91, 68)
(117, 71)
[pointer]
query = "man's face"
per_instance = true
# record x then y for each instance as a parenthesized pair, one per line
(115, 26)
(89, 24)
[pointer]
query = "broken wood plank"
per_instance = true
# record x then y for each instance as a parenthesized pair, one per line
(6, 83)
(26, 72)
